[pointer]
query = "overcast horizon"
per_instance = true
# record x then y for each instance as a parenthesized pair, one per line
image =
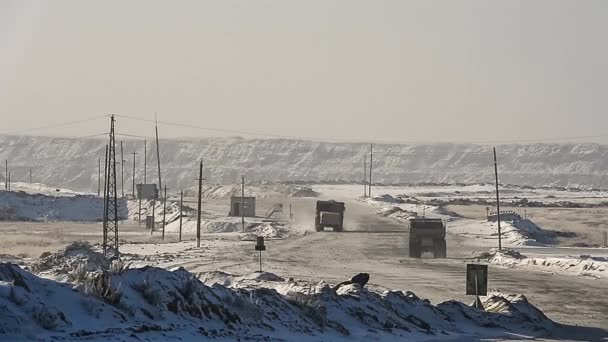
(389, 71)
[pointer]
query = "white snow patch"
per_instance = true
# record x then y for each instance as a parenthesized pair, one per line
(583, 265)
(22, 206)
(513, 233)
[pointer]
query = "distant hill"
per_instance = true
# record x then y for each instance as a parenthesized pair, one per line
(72, 162)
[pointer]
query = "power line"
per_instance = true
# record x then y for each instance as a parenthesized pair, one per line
(280, 136)
(412, 142)
(62, 124)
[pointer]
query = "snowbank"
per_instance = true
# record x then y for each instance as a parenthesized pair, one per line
(513, 233)
(21, 206)
(172, 213)
(582, 265)
(257, 190)
(154, 304)
(62, 264)
(253, 227)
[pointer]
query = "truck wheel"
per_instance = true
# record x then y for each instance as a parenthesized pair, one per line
(318, 228)
(440, 249)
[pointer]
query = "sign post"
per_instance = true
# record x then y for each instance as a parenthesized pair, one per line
(259, 246)
(477, 282)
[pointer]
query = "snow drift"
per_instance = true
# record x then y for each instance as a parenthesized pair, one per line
(70, 162)
(22, 206)
(582, 265)
(157, 305)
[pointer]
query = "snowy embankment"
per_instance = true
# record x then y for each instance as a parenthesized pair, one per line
(257, 190)
(253, 227)
(520, 232)
(513, 233)
(583, 265)
(22, 206)
(105, 300)
(389, 206)
(210, 223)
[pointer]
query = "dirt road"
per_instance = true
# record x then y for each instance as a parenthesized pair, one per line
(378, 246)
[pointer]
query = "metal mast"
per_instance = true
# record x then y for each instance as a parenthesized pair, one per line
(110, 245)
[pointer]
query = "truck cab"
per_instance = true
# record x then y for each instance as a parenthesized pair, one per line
(329, 214)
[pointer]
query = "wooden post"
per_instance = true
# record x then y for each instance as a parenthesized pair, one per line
(153, 216)
(371, 161)
(497, 202)
(364, 176)
(160, 182)
(164, 212)
(181, 207)
(198, 219)
(243, 202)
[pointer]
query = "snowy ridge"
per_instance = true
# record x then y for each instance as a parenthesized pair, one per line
(583, 265)
(72, 162)
(22, 206)
(159, 305)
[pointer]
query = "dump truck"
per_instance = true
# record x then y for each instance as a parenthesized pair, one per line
(427, 235)
(329, 214)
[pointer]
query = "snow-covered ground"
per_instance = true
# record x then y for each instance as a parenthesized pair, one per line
(513, 233)
(580, 265)
(39, 188)
(103, 300)
(266, 190)
(470, 194)
(22, 206)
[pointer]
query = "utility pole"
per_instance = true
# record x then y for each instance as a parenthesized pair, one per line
(99, 176)
(371, 161)
(364, 176)
(145, 162)
(122, 171)
(145, 171)
(243, 202)
(9, 180)
(6, 175)
(160, 183)
(164, 212)
(497, 202)
(198, 219)
(134, 153)
(31, 176)
(153, 215)
(111, 229)
(181, 208)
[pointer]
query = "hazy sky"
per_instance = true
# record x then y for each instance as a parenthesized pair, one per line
(417, 71)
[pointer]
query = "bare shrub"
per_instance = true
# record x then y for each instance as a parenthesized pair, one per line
(118, 266)
(188, 288)
(311, 307)
(78, 274)
(150, 294)
(100, 286)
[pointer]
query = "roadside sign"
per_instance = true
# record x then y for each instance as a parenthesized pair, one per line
(477, 280)
(260, 244)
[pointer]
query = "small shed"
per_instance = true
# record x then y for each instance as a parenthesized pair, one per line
(147, 191)
(248, 207)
